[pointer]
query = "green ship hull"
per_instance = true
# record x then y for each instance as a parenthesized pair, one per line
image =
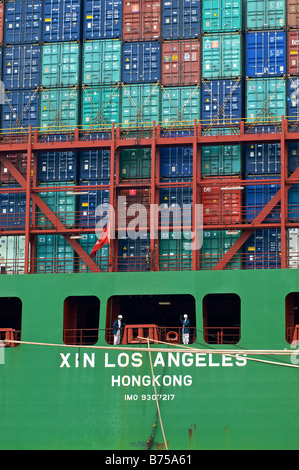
(55, 396)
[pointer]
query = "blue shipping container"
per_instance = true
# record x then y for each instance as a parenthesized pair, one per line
(23, 21)
(221, 102)
(57, 166)
(172, 201)
(293, 201)
(61, 20)
(141, 62)
(95, 165)
(134, 255)
(89, 201)
(20, 109)
(176, 163)
(293, 156)
(180, 19)
(102, 20)
(292, 98)
(258, 196)
(261, 159)
(263, 250)
(265, 53)
(12, 209)
(21, 66)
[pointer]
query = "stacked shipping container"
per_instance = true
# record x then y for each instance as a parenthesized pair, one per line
(92, 63)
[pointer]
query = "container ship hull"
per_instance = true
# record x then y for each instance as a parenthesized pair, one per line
(104, 396)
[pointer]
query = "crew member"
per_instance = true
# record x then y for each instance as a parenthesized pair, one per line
(185, 330)
(117, 328)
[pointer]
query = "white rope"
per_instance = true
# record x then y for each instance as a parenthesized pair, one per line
(156, 395)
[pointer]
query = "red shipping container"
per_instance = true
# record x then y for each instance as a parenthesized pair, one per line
(293, 52)
(180, 62)
(1, 22)
(292, 13)
(132, 197)
(141, 20)
(19, 161)
(222, 201)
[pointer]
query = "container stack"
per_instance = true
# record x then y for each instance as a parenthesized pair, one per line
(87, 64)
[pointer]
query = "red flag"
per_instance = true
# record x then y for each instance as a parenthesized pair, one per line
(104, 238)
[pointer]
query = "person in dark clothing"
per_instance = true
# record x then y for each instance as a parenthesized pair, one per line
(185, 330)
(118, 326)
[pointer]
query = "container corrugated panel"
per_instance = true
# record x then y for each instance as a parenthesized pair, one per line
(59, 108)
(292, 98)
(128, 202)
(135, 164)
(63, 203)
(134, 255)
(176, 164)
(60, 64)
(95, 165)
(221, 160)
(87, 242)
(23, 21)
(221, 56)
(180, 63)
(19, 160)
(140, 104)
(21, 66)
(221, 15)
(265, 99)
(89, 202)
(102, 20)
(222, 200)
(61, 20)
(263, 250)
(53, 254)
(174, 251)
(215, 244)
(263, 14)
(257, 196)
(293, 156)
(141, 20)
(293, 247)
(141, 62)
(292, 13)
(2, 20)
(172, 201)
(100, 106)
(293, 201)
(101, 62)
(20, 109)
(261, 159)
(221, 102)
(293, 52)
(12, 254)
(265, 53)
(180, 105)
(12, 209)
(180, 19)
(57, 166)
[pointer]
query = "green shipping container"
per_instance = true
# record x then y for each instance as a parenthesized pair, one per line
(265, 14)
(216, 244)
(54, 254)
(101, 62)
(140, 105)
(221, 15)
(265, 100)
(100, 106)
(62, 203)
(175, 253)
(221, 160)
(59, 108)
(60, 64)
(221, 56)
(135, 164)
(180, 105)
(87, 242)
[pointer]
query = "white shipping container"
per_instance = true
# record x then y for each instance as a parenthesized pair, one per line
(293, 247)
(12, 255)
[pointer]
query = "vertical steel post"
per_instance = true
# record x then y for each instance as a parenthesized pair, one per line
(284, 193)
(112, 241)
(28, 199)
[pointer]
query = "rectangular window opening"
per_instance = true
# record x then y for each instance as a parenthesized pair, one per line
(157, 317)
(221, 318)
(292, 317)
(10, 320)
(81, 316)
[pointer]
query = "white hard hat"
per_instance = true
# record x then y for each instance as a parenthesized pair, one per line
(185, 316)
(120, 316)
